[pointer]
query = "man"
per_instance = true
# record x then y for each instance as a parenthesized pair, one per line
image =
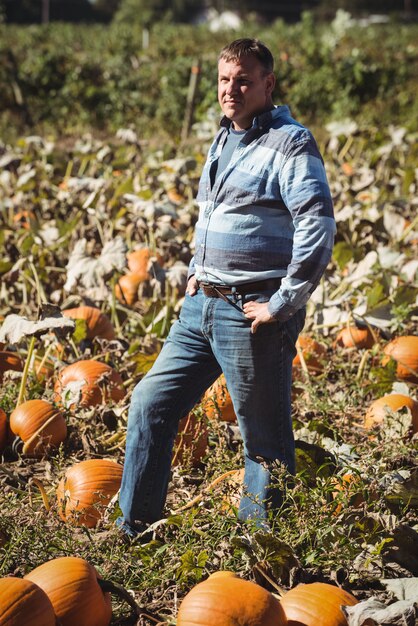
(263, 240)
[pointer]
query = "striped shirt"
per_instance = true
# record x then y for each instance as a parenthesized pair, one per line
(269, 214)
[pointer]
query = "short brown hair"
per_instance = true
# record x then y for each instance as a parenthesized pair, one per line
(246, 47)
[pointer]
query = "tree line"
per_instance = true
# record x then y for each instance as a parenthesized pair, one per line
(146, 12)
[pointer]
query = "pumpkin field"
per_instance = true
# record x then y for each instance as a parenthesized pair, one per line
(96, 234)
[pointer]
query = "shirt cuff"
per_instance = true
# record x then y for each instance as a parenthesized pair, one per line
(279, 309)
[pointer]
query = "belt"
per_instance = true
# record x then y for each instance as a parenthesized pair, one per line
(218, 291)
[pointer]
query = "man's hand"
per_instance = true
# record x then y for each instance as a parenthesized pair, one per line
(192, 286)
(257, 311)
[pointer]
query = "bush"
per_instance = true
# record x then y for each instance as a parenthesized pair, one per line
(99, 76)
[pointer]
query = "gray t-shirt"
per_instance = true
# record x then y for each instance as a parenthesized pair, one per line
(232, 140)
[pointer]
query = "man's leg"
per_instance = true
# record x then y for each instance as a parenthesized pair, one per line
(185, 368)
(258, 371)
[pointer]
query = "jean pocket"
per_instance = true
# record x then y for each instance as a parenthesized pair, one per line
(293, 327)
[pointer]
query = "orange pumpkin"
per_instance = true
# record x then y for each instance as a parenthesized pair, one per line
(227, 600)
(98, 324)
(4, 430)
(86, 489)
(88, 383)
(316, 603)
(377, 411)
(126, 289)
(222, 573)
(23, 603)
(72, 586)
(191, 441)
(9, 361)
(39, 424)
(139, 262)
(354, 337)
(217, 402)
(313, 354)
(403, 350)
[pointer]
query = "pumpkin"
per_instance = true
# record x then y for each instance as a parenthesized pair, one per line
(72, 586)
(126, 289)
(139, 262)
(227, 600)
(191, 441)
(98, 324)
(313, 354)
(23, 603)
(377, 411)
(9, 361)
(88, 383)
(316, 603)
(403, 350)
(354, 337)
(217, 402)
(86, 488)
(40, 426)
(4, 430)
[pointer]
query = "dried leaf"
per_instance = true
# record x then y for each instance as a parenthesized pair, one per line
(374, 613)
(401, 488)
(345, 127)
(403, 549)
(402, 588)
(15, 327)
(92, 272)
(176, 276)
(394, 224)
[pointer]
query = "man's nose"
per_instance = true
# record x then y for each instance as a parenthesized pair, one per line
(231, 87)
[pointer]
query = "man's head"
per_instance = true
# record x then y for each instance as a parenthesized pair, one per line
(245, 81)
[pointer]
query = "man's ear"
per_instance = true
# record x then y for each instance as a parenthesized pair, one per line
(270, 82)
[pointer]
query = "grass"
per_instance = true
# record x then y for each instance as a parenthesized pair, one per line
(322, 531)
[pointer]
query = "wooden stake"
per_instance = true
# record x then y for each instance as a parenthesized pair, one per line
(191, 96)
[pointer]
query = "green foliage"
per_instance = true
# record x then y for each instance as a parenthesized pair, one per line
(148, 12)
(100, 77)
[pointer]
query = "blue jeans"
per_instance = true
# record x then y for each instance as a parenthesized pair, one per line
(212, 336)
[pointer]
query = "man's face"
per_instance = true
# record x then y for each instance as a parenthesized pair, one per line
(244, 90)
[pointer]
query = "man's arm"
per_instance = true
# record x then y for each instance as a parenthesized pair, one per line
(305, 191)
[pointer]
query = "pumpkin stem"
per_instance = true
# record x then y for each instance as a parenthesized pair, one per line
(121, 592)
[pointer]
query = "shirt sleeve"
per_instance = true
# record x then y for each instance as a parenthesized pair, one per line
(192, 270)
(305, 191)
